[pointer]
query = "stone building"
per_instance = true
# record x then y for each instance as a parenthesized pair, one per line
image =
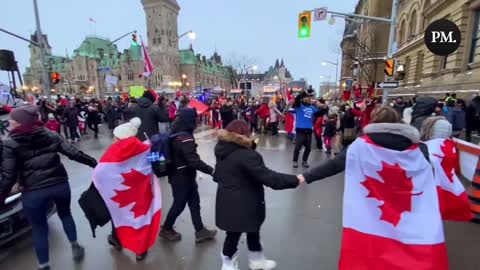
(270, 82)
(86, 70)
(97, 59)
(365, 44)
(426, 73)
(200, 73)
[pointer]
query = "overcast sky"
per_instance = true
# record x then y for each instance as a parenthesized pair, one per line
(261, 29)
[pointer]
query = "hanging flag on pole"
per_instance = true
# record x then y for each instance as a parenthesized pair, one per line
(93, 21)
(148, 67)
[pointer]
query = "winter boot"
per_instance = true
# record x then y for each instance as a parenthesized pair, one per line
(257, 261)
(295, 164)
(170, 235)
(113, 241)
(141, 257)
(204, 235)
(305, 165)
(230, 264)
(78, 252)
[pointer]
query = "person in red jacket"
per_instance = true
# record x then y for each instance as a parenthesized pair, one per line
(52, 123)
(263, 112)
(318, 129)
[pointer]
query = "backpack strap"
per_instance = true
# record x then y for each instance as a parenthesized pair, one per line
(424, 148)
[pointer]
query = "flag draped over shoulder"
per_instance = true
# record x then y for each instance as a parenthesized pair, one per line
(454, 204)
(125, 180)
(391, 212)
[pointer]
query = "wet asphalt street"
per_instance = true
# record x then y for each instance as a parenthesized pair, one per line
(302, 230)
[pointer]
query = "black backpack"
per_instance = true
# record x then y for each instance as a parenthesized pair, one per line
(160, 153)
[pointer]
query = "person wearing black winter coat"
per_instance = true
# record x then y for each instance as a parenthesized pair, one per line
(241, 175)
(185, 164)
(472, 118)
(227, 113)
(150, 114)
(30, 157)
(70, 119)
(423, 108)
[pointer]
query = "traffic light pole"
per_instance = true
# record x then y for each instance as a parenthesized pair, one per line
(393, 26)
(43, 59)
(391, 40)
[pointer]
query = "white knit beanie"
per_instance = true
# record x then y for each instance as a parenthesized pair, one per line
(441, 129)
(127, 130)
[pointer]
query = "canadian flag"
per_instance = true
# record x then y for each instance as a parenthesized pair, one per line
(391, 212)
(454, 204)
(148, 66)
(125, 180)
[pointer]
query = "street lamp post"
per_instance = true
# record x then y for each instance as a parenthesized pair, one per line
(43, 46)
(254, 67)
(324, 63)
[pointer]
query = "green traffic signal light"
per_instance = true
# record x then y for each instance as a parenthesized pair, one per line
(304, 33)
(304, 24)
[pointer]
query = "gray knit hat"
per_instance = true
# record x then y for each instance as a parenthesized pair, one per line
(25, 115)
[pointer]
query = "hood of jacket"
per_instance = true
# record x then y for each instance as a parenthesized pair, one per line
(178, 125)
(424, 106)
(144, 102)
(229, 142)
(393, 136)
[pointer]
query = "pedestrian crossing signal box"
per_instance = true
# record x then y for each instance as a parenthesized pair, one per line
(304, 24)
(389, 67)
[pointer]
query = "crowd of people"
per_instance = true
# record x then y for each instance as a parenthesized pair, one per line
(392, 134)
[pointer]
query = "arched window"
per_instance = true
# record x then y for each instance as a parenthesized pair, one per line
(412, 30)
(401, 33)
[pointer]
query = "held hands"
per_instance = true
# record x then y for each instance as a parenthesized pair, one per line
(301, 179)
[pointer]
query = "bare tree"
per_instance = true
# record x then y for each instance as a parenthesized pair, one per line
(366, 55)
(240, 65)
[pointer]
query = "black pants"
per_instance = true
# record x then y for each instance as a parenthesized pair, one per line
(231, 243)
(184, 192)
(274, 127)
(303, 138)
(94, 127)
(319, 141)
(468, 134)
(65, 130)
(73, 133)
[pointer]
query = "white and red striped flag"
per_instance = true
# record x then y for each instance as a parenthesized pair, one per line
(148, 66)
(391, 212)
(454, 204)
(125, 180)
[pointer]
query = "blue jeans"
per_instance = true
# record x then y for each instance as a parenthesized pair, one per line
(35, 206)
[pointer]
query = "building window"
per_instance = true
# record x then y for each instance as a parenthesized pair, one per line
(419, 67)
(130, 76)
(413, 25)
(475, 37)
(401, 32)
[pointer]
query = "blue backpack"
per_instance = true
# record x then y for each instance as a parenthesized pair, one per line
(160, 153)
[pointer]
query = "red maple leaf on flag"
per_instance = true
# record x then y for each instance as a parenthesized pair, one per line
(140, 193)
(395, 191)
(449, 159)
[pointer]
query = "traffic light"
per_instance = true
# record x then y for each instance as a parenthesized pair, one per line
(134, 39)
(304, 24)
(55, 77)
(389, 67)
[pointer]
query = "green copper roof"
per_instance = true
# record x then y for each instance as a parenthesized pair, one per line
(92, 46)
(136, 53)
(187, 57)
